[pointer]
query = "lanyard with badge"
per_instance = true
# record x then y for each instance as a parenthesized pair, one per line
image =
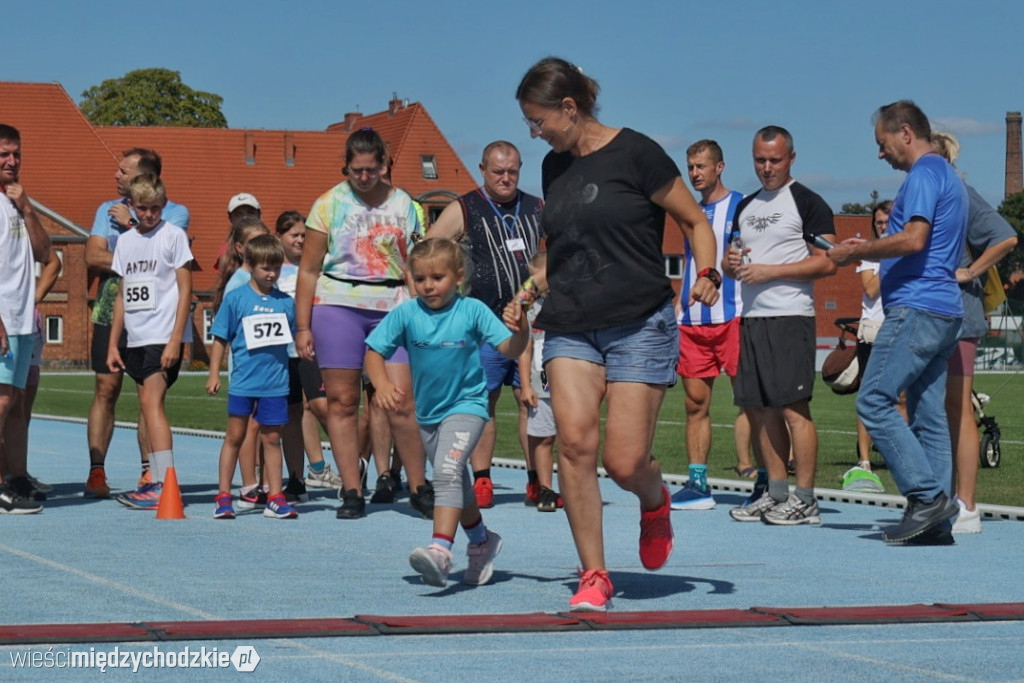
(513, 239)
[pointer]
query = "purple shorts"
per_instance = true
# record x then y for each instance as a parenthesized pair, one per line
(339, 336)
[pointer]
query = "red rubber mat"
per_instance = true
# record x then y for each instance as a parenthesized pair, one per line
(709, 618)
(472, 623)
(367, 625)
(875, 614)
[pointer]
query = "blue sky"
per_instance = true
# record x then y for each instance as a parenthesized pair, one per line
(677, 71)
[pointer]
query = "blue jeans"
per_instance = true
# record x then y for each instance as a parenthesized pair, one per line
(911, 353)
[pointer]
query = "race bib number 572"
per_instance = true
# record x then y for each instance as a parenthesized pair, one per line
(268, 329)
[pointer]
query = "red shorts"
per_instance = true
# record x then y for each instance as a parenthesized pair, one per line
(707, 350)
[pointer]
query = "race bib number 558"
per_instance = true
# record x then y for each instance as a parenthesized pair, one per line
(268, 329)
(139, 295)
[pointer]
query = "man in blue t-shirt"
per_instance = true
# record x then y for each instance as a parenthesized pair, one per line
(923, 310)
(113, 218)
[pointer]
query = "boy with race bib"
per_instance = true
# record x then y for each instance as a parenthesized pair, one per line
(156, 293)
(257, 320)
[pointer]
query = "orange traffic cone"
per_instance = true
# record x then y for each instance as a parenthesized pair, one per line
(171, 505)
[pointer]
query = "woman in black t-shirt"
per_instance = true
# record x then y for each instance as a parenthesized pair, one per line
(610, 327)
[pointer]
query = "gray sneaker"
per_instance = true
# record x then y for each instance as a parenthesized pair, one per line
(751, 512)
(792, 512)
(327, 479)
(921, 517)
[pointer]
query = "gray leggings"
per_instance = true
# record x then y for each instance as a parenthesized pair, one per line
(448, 445)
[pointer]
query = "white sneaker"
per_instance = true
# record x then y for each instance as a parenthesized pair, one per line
(481, 560)
(968, 521)
(327, 479)
(432, 563)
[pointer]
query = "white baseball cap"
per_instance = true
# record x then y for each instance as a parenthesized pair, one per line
(243, 199)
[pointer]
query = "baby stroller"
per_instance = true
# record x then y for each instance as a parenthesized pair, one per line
(991, 452)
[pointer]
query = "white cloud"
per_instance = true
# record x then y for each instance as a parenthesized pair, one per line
(670, 142)
(963, 126)
(730, 124)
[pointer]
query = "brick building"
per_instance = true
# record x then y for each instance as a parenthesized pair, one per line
(69, 167)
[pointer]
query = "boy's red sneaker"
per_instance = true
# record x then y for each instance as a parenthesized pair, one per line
(594, 594)
(656, 534)
(532, 493)
(483, 489)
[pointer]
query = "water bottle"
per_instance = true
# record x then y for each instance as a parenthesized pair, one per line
(736, 242)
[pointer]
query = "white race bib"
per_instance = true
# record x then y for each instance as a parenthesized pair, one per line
(139, 294)
(268, 329)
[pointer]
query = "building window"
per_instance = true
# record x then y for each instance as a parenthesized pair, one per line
(429, 165)
(207, 324)
(674, 266)
(54, 329)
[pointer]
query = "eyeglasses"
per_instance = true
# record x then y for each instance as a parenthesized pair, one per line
(360, 172)
(535, 125)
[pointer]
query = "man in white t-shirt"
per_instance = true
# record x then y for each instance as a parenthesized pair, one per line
(777, 268)
(23, 241)
(114, 218)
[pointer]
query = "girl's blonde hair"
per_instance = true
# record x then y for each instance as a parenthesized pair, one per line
(440, 249)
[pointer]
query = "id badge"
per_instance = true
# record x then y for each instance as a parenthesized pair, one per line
(515, 244)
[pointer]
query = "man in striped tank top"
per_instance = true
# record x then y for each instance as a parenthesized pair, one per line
(709, 336)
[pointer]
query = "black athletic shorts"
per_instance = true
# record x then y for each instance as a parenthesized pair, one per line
(776, 361)
(312, 381)
(294, 382)
(142, 361)
(98, 350)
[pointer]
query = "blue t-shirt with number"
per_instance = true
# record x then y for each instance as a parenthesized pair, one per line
(444, 354)
(258, 370)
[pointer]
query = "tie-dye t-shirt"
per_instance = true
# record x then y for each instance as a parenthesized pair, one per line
(364, 245)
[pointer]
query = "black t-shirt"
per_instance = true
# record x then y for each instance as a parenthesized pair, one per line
(604, 234)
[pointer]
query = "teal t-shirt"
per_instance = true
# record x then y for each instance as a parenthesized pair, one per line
(444, 354)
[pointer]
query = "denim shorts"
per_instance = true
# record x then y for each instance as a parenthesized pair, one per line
(500, 370)
(15, 365)
(645, 351)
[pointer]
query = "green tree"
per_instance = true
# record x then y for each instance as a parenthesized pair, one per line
(855, 208)
(1012, 209)
(151, 97)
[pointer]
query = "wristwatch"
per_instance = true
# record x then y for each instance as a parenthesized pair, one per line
(711, 274)
(133, 222)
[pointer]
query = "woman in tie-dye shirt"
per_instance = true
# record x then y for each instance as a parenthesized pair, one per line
(352, 273)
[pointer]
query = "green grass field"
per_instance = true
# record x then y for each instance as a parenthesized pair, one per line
(189, 406)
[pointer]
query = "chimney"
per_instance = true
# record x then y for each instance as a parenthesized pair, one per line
(1014, 169)
(250, 149)
(289, 148)
(394, 104)
(350, 120)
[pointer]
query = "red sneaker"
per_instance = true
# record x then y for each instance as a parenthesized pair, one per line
(96, 486)
(656, 534)
(532, 493)
(594, 594)
(484, 491)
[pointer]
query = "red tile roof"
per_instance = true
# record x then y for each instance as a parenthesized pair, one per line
(69, 164)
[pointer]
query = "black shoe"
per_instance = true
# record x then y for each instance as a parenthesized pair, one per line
(423, 500)
(549, 500)
(353, 505)
(385, 492)
(295, 491)
(939, 535)
(396, 476)
(12, 503)
(921, 517)
(24, 488)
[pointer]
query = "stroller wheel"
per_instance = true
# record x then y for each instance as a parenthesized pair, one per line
(991, 452)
